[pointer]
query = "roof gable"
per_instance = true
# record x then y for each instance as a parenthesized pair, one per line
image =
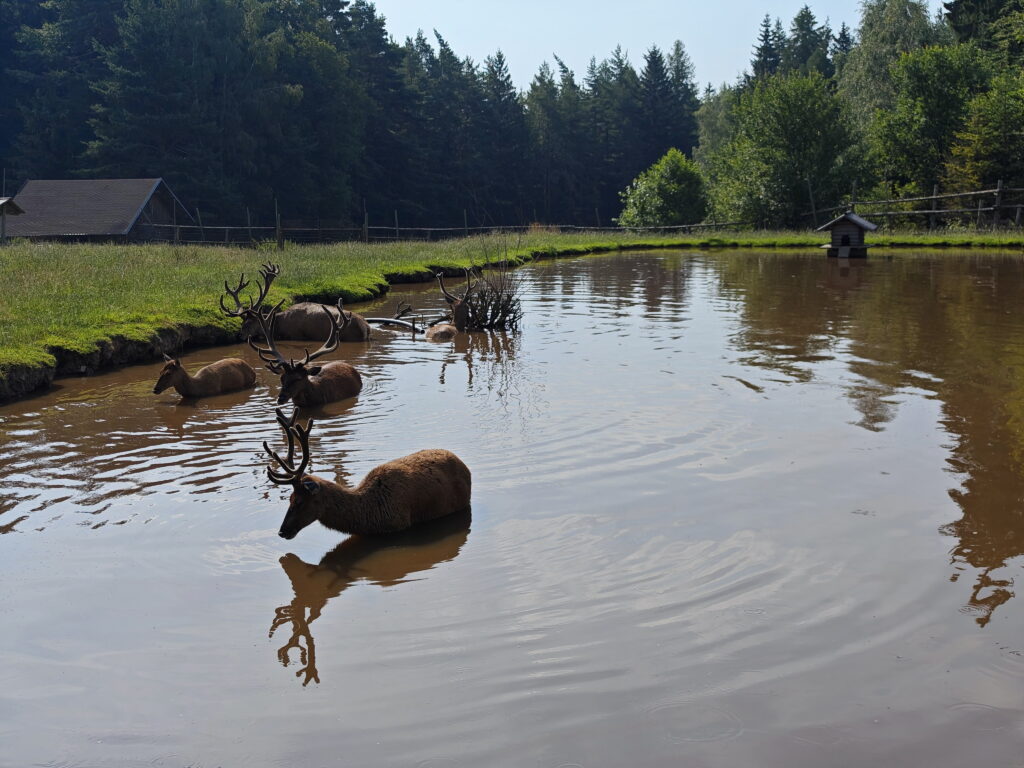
(851, 217)
(82, 207)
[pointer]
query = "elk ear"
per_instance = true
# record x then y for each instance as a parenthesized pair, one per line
(310, 486)
(314, 370)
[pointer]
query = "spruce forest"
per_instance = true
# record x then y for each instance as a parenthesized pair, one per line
(238, 103)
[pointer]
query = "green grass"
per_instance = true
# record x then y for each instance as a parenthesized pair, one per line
(61, 296)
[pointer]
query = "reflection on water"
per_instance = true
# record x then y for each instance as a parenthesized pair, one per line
(385, 561)
(729, 509)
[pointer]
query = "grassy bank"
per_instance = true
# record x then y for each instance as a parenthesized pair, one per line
(62, 300)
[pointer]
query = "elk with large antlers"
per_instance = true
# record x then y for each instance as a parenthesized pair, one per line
(308, 385)
(394, 496)
(300, 322)
(227, 375)
(460, 312)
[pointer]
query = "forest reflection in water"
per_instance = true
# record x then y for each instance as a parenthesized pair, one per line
(951, 328)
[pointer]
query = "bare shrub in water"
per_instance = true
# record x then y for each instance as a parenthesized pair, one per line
(495, 303)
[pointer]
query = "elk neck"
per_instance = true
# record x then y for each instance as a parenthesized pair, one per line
(351, 510)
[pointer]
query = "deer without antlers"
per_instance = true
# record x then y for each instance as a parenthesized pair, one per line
(460, 312)
(300, 322)
(309, 385)
(217, 378)
(394, 496)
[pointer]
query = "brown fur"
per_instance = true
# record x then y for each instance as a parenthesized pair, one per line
(317, 385)
(306, 321)
(394, 496)
(222, 376)
(460, 315)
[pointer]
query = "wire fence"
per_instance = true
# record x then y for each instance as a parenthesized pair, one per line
(297, 232)
(999, 207)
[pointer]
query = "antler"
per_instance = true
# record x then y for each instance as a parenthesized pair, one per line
(268, 272)
(444, 291)
(469, 286)
(332, 339)
(401, 311)
(275, 360)
(291, 475)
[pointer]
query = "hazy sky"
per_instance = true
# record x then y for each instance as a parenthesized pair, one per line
(719, 35)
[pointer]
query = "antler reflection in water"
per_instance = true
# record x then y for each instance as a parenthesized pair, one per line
(382, 560)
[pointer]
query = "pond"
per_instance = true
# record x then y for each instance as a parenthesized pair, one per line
(729, 509)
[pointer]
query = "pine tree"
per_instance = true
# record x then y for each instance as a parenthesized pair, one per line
(14, 78)
(686, 100)
(63, 59)
(658, 110)
(767, 57)
(504, 134)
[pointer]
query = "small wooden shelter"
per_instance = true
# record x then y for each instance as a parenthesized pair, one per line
(7, 206)
(848, 236)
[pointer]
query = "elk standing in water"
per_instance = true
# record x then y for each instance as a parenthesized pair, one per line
(217, 378)
(300, 322)
(308, 385)
(394, 496)
(460, 312)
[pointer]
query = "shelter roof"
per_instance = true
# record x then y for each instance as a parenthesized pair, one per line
(83, 207)
(8, 206)
(852, 217)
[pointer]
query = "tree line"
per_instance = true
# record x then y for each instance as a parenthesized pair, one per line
(312, 104)
(238, 103)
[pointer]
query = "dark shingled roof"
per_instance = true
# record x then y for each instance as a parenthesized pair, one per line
(81, 207)
(849, 216)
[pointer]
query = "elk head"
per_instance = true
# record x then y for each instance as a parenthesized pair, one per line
(459, 304)
(301, 512)
(250, 312)
(168, 374)
(295, 375)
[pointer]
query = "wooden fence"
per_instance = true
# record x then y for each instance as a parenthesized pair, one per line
(994, 208)
(301, 232)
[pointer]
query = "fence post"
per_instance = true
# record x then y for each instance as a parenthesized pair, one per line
(853, 197)
(1016, 220)
(202, 231)
(277, 227)
(465, 223)
(998, 205)
(814, 212)
(366, 227)
(977, 223)
(935, 206)
(396, 225)
(248, 223)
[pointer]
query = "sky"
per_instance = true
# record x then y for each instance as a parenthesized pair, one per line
(719, 35)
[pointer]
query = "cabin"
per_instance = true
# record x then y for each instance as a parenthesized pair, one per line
(118, 210)
(7, 208)
(848, 236)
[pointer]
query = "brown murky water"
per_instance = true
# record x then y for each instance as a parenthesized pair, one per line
(729, 510)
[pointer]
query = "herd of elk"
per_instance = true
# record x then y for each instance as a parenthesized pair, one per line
(422, 486)
(394, 496)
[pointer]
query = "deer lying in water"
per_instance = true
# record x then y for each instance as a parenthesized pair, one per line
(398, 494)
(308, 385)
(460, 312)
(217, 378)
(300, 322)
